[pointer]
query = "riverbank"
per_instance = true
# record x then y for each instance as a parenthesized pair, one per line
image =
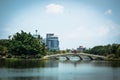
(115, 59)
(20, 58)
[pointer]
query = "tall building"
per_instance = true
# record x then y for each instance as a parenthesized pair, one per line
(52, 42)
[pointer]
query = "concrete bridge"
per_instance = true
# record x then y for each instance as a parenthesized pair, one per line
(80, 55)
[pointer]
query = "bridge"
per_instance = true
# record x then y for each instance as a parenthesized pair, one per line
(80, 55)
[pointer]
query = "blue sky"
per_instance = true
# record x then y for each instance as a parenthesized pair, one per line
(75, 22)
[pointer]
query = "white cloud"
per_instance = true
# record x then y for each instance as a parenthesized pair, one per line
(113, 27)
(102, 31)
(89, 33)
(55, 9)
(83, 33)
(108, 12)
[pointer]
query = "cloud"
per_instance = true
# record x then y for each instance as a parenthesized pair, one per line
(106, 30)
(108, 12)
(113, 27)
(102, 31)
(85, 33)
(55, 9)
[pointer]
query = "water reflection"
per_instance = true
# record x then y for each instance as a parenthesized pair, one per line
(27, 63)
(59, 70)
(106, 63)
(30, 78)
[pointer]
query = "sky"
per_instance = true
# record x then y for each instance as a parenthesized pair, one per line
(76, 22)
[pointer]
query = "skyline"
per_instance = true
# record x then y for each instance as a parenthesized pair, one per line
(75, 22)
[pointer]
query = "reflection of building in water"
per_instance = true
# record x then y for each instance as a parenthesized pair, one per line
(80, 48)
(52, 42)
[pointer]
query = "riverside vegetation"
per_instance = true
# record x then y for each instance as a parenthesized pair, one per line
(112, 51)
(24, 45)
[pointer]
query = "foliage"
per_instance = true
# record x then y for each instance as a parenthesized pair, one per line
(107, 50)
(23, 44)
(3, 50)
(4, 47)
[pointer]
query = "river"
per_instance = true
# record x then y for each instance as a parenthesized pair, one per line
(59, 70)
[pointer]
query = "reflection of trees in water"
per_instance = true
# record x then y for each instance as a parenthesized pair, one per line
(25, 78)
(107, 63)
(0, 79)
(26, 63)
(31, 78)
(95, 63)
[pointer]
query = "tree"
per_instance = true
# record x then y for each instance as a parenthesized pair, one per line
(5, 46)
(3, 50)
(118, 51)
(107, 50)
(25, 43)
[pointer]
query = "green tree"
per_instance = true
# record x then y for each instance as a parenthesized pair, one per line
(5, 46)
(108, 50)
(3, 50)
(118, 51)
(25, 43)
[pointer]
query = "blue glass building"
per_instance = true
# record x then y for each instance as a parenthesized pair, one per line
(52, 42)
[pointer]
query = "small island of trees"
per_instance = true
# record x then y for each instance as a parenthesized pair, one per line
(22, 45)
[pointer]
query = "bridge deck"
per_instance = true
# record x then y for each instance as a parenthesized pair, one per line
(79, 54)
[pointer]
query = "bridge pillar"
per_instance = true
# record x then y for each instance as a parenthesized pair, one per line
(90, 58)
(67, 58)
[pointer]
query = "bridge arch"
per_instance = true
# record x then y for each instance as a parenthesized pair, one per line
(90, 57)
(79, 57)
(67, 56)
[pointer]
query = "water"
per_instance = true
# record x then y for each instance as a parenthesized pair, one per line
(59, 70)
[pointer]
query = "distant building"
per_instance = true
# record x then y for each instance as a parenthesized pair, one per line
(80, 48)
(52, 42)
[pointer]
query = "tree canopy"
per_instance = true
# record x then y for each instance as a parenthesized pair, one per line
(23, 44)
(113, 49)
